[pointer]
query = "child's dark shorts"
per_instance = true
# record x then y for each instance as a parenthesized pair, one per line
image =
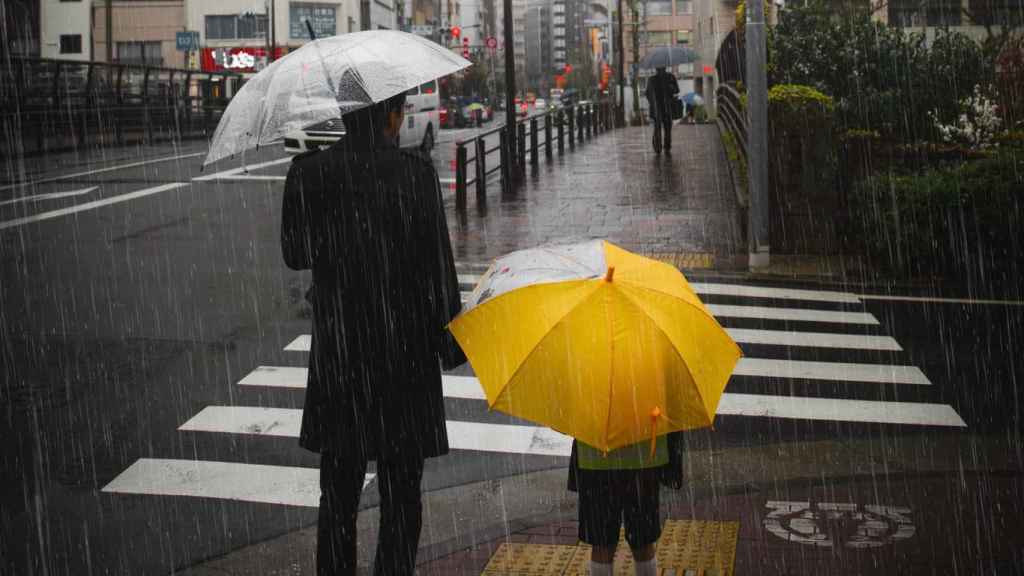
(609, 498)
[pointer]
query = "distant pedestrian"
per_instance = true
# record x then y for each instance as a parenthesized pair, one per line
(622, 488)
(662, 89)
(368, 220)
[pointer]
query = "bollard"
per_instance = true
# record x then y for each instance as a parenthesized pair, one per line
(572, 127)
(579, 124)
(481, 170)
(547, 135)
(506, 163)
(460, 177)
(533, 142)
(521, 140)
(561, 132)
(590, 121)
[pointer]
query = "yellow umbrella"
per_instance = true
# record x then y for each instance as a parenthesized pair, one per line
(596, 342)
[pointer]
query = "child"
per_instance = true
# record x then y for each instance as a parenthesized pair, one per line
(621, 487)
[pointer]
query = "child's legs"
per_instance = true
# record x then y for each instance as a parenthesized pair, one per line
(641, 514)
(600, 512)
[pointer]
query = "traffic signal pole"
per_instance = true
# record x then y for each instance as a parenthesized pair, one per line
(510, 90)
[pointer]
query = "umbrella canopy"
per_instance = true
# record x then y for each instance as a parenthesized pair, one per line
(475, 106)
(596, 342)
(667, 57)
(325, 78)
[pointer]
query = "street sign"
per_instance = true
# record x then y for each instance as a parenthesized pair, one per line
(492, 42)
(186, 41)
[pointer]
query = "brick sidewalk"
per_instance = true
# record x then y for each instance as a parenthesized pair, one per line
(613, 186)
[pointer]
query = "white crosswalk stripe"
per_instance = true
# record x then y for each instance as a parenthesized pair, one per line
(298, 486)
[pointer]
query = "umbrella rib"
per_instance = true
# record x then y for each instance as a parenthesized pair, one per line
(674, 349)
(611, 369)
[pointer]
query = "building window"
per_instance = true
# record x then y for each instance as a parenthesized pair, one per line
(149, 53)
(659, 38)
(684, 6)
(659, 8)
(323, 18)
(70, 43)
(232, 27)
(682, 36)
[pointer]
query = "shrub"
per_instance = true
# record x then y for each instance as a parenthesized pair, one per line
(792, 106)
(963, 220)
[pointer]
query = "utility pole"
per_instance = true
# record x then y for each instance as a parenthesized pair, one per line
(510, 89)
(110, 31)
(620, 110)
(636, 61)
(757, 136)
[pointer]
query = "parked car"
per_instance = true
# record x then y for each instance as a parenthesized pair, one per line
(422, 121)
(540, 104)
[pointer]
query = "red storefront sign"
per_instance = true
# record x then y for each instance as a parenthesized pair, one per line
(242, 59)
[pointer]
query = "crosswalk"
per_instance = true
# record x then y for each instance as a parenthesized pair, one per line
(773, 325)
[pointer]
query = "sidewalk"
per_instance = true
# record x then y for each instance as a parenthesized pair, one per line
(681, 207)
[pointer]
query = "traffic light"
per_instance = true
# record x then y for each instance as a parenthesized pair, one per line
(568, 68)
(456, 31)
(465, 48)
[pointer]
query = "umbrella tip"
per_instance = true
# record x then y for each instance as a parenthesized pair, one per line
(608, 275)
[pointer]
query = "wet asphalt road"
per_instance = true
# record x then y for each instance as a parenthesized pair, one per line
(162, 286)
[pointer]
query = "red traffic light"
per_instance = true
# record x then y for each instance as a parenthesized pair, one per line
(456, 31)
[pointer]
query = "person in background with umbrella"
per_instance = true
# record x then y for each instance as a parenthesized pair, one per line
(661, 91)
(368, 219)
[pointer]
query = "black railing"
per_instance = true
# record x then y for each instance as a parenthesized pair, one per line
(733, 115)
(50, 104)
(580, 121)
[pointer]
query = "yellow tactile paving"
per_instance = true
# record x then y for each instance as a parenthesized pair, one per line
(706, 548)
(685, 260)
(514, 559)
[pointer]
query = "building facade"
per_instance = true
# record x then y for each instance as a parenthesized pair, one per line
(539, 66)
(142, 32)
(65, 30)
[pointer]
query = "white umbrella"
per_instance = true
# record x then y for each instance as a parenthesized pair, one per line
(325, 78)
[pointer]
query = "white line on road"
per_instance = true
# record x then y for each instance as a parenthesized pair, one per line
(91, 205)
(832, 371)
(295, 377)
(790, 314)
(813, 339)
(748, 336)
(101, 170)
(51, 196)
(939, 300)
(240, 170)
(766, 292)
(286, 422)
(839, 410)
(289, 485)
(242, 177)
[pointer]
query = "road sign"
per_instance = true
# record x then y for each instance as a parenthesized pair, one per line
(465, 48)
(492, 42)
(186, 41)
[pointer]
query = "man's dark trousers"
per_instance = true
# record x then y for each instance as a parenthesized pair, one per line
(401, 513)
(662, 132)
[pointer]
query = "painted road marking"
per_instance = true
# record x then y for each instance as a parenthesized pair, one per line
(51, 196)
(796, 407)
(791, 314)
(779, 293)
(806, 523)
(446, 180)
(931, 299)
(90, 205)
(839, 410)
(241, 177)
(101, 170)
(813, 339)
(833, 371)
(295, 377)
(232, 172)
(286, 422)
(289, 485)
(748, 336)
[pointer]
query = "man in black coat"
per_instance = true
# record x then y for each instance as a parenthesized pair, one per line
(368, 219)
(661, 90)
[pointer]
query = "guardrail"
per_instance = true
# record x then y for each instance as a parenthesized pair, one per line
(48, 104)
(581, 121)
(732, 115)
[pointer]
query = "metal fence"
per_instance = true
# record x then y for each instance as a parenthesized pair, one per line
(58, 104)
(573, 123)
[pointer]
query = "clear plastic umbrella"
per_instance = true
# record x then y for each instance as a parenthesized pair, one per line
(325, 78)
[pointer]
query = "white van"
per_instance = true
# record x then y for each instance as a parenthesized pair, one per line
(422, 121)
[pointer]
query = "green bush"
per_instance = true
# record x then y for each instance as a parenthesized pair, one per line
(962, 221)
(794, 105)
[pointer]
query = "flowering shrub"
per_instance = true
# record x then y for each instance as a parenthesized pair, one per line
(976, 126)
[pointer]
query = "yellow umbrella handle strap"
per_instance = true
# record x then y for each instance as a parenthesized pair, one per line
(655, 413)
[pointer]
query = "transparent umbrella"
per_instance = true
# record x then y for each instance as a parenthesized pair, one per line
(667, 57)
(325, 78)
